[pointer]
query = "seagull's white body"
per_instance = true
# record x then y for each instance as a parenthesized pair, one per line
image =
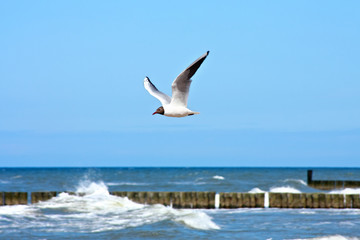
(177, 111)
(176, 106)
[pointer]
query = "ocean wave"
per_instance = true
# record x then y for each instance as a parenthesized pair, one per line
(96, 210)
(307, 212)
(347, 223)
(17, 210)
(256, 190)
(299, 181)
(90, 188)
(286, 189)
(332, 237)
(346, 191)
(127, 184)
(196, 219)
(218, 177)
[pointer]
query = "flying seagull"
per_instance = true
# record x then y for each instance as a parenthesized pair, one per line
(176, 106)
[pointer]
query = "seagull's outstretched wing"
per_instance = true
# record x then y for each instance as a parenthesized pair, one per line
(181, 85)
(162, 97)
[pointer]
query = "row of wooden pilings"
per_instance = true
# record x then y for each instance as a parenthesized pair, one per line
(210, 199)
(330, 184)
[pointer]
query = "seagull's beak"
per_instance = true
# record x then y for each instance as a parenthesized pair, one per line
(154, 113)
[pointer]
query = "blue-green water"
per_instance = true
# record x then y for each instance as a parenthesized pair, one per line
(99, 215)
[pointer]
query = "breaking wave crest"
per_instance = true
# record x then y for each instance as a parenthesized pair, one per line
(296, 181)
(256, 190)
(346, 191)
(285, 189)
(96, 210)
(218, 177)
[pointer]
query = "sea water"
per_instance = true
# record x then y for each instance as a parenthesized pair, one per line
(99, 215)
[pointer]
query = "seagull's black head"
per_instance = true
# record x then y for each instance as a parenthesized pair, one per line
(160, 110)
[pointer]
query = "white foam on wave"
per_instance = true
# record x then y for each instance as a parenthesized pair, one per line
(331, 237)
(300, 181)
(218, 177)
(93, 188)
(94, 202)
(126, 184)
(12, 210)
(307, 212)
(286, 189)
(256, 190)
(195, 219)
(346, 191)
(4, 182)
(99, 211)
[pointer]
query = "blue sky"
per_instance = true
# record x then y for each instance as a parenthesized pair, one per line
(280, 86)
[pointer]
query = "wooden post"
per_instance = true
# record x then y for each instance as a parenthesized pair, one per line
(309, 176)
(315, 200)
(308, 200)
(14, 198)
(183, 199)
(201, 200)
(322, 200)
(348, 200)
(175, 198)
(303, 200)
(193, 199)
(224, 200)
(328, 185)
(143, 197)
(351, 184)
(233, 200)
(211, 197)
(131, 196)
(284, 200)
(337, 201)
(328, 200)
(295, 200)
(153, 198)
(339, 184)
(259, 200)
(42, 196)
(163, 199)
(275, 200)
(2, 198)
(252, 200)
(246, 200)
(356, 201)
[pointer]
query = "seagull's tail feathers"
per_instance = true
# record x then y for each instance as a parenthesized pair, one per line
(193, 113)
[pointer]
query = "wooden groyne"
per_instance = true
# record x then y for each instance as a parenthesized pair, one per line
(174, 199)
(209, 200)
(13, 198)
(330, 184)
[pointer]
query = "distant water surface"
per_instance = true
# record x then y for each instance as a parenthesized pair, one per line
(99, 215)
